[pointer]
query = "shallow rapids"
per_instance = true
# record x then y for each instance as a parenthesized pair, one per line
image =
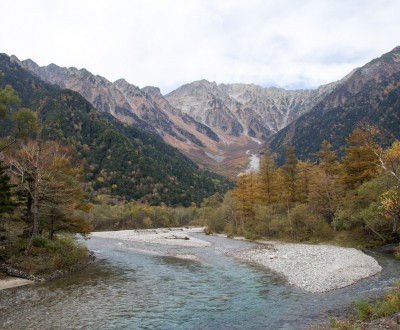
(131, 286)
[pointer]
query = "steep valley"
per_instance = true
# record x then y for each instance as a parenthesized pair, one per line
(216, 124)
(212, 124)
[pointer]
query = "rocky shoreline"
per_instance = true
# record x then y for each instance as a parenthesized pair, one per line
(314, 268)
(18, 273)
(390, 323)
(163, 236)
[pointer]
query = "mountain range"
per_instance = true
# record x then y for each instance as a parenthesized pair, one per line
(214, 125)
(120, 161)
(370, 95)
(219, 125)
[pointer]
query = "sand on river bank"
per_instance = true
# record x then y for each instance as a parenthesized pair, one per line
(12, 282)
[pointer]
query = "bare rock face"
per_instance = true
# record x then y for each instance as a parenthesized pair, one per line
(183, 122)
(104, 95)
(245, 109)
(145, 108)
(207, 104)
(276, 107)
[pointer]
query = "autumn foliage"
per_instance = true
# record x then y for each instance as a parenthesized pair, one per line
(357, 196)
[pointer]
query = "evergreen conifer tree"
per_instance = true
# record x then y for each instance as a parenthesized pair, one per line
(6, 203)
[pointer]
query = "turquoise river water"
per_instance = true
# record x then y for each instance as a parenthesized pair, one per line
(131, 286)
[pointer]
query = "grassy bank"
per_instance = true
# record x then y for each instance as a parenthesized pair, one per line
(378, 314)
(47, 257)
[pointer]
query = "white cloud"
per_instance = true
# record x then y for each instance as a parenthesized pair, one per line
(168, 43)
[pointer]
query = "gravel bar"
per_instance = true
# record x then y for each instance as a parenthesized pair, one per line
(314, 268)
(164, 236)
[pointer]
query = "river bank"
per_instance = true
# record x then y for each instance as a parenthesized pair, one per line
(154, 286)
(313, 268)
(14, 277)
(9, 282)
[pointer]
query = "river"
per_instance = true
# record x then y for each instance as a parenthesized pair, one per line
(131, 286)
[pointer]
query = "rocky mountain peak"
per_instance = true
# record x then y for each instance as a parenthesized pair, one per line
(129, 90)
(207, 103)
(386, 64)
(123, 83)
(28, 62)
(260, 111)
(368, 95)
(153, 92)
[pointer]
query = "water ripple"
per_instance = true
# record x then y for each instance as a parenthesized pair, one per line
(131, 289)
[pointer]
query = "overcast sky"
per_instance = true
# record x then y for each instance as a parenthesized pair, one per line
(167, 43)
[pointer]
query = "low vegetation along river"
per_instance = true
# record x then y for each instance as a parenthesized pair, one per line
(135, 285)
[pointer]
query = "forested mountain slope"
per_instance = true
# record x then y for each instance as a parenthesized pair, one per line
(145, 108)
(369, 96)
(118, 159)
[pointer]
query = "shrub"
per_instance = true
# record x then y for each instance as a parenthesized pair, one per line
(43, 242)
(367, 311)
(364, 310)
(386, 306)
(229, 230)
(48, 256)
(343, 325)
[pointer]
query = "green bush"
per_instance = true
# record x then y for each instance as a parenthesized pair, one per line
(364, 310)
(229, 230)
(386, 306)
(367, 311)
(48, 256)
(44, 242)
(343, 325)
(251, 236)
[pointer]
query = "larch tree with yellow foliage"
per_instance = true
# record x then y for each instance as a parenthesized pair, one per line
(245, 195)
(360, 161)
(390, 209)
(268, 180)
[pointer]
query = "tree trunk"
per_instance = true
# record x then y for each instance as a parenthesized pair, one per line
(35, 217)
(377, 234)
(51, 229)
(395, 224)
(35, 199)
